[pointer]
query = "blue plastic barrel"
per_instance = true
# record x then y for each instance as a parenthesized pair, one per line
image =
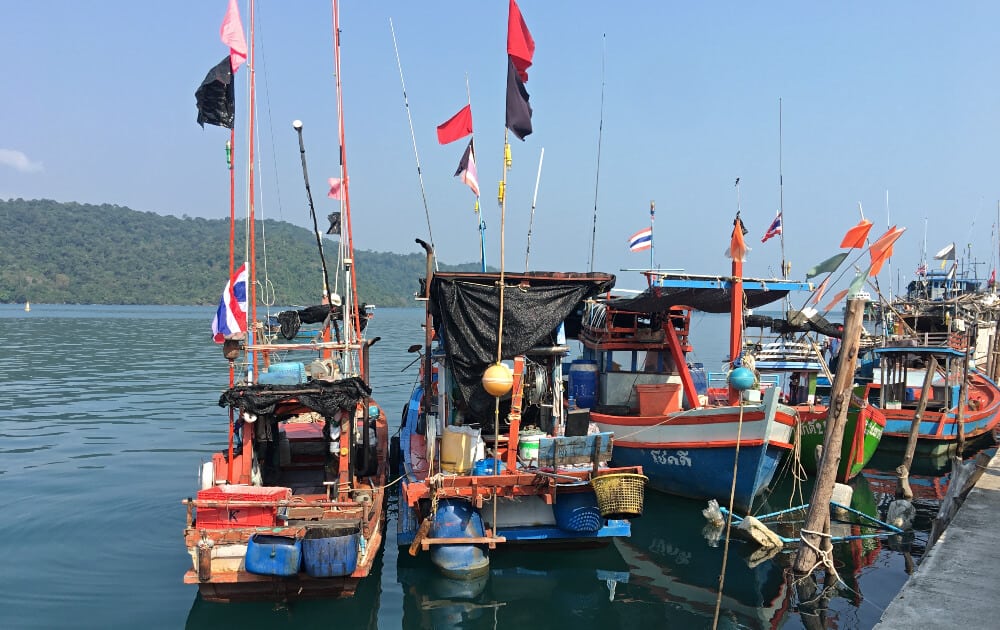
(583, 382)
(330, 551)
(273, 555)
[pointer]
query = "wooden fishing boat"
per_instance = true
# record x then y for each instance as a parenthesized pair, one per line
(685, 440)
(481, 472)
(797, 370)
(294, 506)
(894, 381)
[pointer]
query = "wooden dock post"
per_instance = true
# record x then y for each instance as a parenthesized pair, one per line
(903, 471)
(816, 529)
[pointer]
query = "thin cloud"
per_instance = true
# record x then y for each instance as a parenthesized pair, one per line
(18, 161)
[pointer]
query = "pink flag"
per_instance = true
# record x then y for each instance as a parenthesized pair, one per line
(336, 184)
(232, 35)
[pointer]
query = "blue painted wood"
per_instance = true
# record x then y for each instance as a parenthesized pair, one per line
(576, 449)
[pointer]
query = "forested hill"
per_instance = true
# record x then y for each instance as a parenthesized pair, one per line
(56, 253)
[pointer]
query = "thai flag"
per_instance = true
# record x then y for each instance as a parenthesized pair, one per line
(643, 239)
(231, 318)
(774, 229)
(922, 269)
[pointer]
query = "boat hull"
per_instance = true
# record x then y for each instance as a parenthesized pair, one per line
(862, 436)
(692, 453)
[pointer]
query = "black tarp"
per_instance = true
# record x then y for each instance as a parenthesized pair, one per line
(466, 310)
(323, 397)
(659, 299)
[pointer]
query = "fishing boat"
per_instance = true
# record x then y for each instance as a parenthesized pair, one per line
(294, 506)
(27, 306)
(686, 441)
(796, 367)
(894, 381)
(482, 469)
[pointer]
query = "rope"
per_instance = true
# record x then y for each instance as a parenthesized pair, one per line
(822, 555)
(729, 521)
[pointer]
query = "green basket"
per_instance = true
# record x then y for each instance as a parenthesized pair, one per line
(619, 495)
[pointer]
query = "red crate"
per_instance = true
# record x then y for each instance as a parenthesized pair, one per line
(241, 515)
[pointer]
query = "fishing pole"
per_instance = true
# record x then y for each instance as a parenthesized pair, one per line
(297, 124)
(413, 137)
(600, 134)
(534, 200)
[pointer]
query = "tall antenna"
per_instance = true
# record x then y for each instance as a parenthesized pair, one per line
(600, 134)
(534, 199)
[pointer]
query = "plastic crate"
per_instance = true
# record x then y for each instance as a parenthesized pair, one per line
(227, 515)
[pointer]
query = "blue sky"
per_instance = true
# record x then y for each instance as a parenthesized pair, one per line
(903, 97)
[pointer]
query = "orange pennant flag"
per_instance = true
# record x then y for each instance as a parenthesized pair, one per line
(856, 236)
(821, 290)
(881, 250)
(737, 246)
(840, 296)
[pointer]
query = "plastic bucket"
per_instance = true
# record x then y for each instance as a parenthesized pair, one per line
(458, 449)
(527, 446)
(273, 555)
(658, 399)
(583, 382)
(330, 551)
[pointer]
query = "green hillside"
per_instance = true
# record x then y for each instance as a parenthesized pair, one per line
(70, 253)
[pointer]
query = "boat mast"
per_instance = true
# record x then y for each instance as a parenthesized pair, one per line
(251, 219)
(352, 318)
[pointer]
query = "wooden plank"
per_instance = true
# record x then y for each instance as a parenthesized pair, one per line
(574, 450)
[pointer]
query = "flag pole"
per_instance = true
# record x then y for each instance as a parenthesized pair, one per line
(600, 134)
(781, 198)
(251, 218)
(652, 232)
(479, 214)
(413, 138)
(534, 200)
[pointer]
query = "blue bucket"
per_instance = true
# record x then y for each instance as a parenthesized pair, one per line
(577, 512)
(330, 551)
(484, 467)
(273, 555)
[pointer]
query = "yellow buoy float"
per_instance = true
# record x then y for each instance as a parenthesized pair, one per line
(498, 379)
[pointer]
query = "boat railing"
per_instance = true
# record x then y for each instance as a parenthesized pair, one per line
(954, 340)
(603, 324)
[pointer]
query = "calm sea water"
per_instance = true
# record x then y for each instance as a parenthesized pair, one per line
(107, 412)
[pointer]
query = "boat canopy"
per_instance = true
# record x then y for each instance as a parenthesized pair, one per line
(324, 397)
(466, 312)
(657, 299)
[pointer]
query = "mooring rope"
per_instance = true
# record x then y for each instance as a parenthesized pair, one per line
(729, 521)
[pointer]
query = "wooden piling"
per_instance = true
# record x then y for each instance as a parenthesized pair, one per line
(817, 524)
(903, 471)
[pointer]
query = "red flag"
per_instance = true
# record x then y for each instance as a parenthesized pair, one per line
(232, 35)
(520, 45)
(881, 250)
(336, 186)
(456, 127)
(856, 236)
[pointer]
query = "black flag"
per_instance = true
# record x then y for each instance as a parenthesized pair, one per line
(216, 97)
(334, 218)
(518, 109)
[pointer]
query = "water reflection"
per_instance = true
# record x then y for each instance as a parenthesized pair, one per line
(522, 589)
(360, 611)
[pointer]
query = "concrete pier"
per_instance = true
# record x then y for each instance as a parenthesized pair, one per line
(955, 584)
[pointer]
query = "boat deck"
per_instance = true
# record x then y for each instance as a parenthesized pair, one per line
(955, 584)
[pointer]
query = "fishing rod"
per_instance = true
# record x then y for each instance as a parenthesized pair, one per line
(413, 138)
(600, 134)
(297, 124)
(534, 199)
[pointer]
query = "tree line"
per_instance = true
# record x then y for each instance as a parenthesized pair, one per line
(72, 253)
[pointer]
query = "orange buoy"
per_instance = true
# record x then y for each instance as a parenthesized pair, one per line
(498, 379)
